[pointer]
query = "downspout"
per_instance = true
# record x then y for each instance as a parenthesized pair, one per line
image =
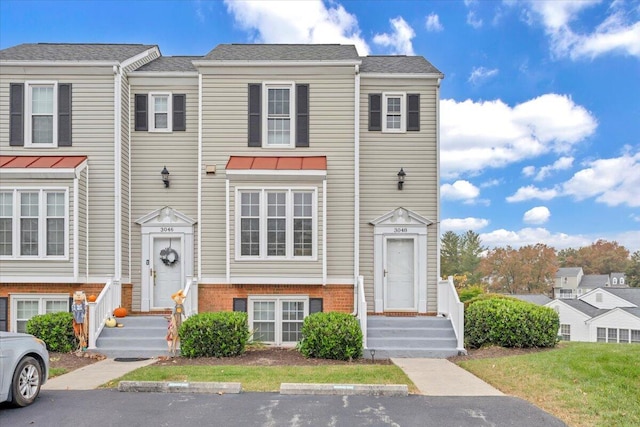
(76, 226)
(117, 165)
(199, 171)
(438, 244)
(356, 188)
(87, 233)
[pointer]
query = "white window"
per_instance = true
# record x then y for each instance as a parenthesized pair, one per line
(277, 320)
(276, 224)
(278, 118)
(624, 336)
(614, 281)
(27, 306)
(566, 293)
(41, 128)
(565, 332)
(393, 112)
(160, 114)
(622, 280)
(601, 335)
(34, 223)
(612, 335)
(635, 335)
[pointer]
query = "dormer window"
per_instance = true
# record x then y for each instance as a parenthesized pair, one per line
(614, 281)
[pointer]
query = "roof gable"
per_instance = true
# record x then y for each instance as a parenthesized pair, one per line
(397, 64)
(584, 309)
(401, 216)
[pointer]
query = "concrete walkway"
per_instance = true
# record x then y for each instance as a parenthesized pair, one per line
(93, 376)
(439, 377)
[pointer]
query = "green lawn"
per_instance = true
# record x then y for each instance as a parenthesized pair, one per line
(584, 384)
(268, 378)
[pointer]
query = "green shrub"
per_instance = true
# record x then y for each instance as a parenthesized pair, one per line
(219, 334)
(465, 294)
(510, 323)
(484, 297)
(55, 329)
(331, 335)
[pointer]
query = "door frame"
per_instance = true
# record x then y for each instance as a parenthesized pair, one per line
(385, 266)
(400, 223)
(152, 267)
(169, 223)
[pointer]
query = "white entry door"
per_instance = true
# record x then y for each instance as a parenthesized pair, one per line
(167, 270)
(399, 274)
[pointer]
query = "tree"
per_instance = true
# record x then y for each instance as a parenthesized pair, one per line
(601, 257)
(460, 256)
(470, 251)
(529, 269)
(449, 254)
(632, 272)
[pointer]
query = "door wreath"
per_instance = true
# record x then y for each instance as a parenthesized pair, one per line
(169, 256)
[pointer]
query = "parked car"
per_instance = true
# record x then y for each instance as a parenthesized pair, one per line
(24, 367)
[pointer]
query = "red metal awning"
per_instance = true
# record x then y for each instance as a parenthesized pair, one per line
(41, 162)
(277, 163)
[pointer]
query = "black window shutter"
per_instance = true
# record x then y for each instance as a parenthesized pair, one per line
(240, 304)
(375, 111)
(64, 115)
(70, 304)
(16, 114)
(4, 313)
(315, 305)
(179, 112)
(141, 116)
(255, 122)
(413, 112)
(302, 115)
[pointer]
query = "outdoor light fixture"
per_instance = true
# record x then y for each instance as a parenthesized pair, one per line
(165, 177)
(401, 176)
(373, 353)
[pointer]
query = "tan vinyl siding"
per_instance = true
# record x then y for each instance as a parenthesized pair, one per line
(83, 226)
(331, 134)
(381, 157)
(43, 267)
(93, 136)
(124, 183)
(150, 152)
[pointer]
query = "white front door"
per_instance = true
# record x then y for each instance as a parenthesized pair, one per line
(399, 274)
(167, 270)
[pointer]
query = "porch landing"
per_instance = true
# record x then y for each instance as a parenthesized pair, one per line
(141, 336)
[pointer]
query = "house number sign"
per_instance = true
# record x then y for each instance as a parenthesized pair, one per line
(400, 230)
(166, 229)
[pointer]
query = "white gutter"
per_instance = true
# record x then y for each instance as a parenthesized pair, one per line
(135, 74)
(199, 171)
(404, 75)
(117, 165)
(356, 185)
(254, 63)
(59, 63)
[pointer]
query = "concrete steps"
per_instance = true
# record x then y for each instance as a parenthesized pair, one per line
(415, 336)
(141, 336)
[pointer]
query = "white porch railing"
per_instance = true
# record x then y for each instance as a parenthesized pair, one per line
(191, 294)
(362, 310)
(109, 299)
(449, 306)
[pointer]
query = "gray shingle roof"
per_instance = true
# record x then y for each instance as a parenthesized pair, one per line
(591, 281)
(568, 271)
(397, 64)
(634, 311)
(538, 299)
(584, 307)
(283, 52)
(630, 294)
(171, 63)
(72, 52)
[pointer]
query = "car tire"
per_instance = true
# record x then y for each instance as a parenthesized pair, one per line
(27, 380)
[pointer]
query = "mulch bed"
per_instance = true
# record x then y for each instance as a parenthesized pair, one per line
(72, 361)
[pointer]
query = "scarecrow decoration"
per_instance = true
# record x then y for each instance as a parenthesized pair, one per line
(80, 324)
(175, 321)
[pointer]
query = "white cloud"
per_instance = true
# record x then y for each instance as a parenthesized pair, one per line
(531, 192)
(634, 217)
(614, 181)
(563, 163)
(459, 190)
(298, 22)
(399, 40)
(463, 224)
(616, 33)
(490, 183)
(529, 171)
(538, 215)
(479, 74)
(478, 135)
(473, 20)
(432, 23)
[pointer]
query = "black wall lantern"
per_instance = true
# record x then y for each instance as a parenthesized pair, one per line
(401, 176)
(165, 177)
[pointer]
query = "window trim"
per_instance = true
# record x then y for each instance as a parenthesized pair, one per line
(28, 118)
(42, 223)
(403, 111)
(565, 331)
(292, 113)
(41, 298)
(278, 299)
(151, 106)
(263, 190)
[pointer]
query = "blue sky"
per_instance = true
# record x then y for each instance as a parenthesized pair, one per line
(540, 110)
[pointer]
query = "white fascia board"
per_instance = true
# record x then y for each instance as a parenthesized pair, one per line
(59, 63)
(575, 310)
(404, 76)
(611, 311)
(256, 63)
(271, 172)
(53, 279)
(38, 173)
(139, 56)
(193, 74)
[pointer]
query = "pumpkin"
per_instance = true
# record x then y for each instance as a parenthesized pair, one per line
(120, 312)
(92, 298)
(110, 322)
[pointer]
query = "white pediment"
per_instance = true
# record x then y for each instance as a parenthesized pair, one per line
(401, 216)
(165, 216)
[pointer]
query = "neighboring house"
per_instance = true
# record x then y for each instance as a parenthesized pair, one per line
(292, 173)
(601, 315)
(571, 282)
(537, 299)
